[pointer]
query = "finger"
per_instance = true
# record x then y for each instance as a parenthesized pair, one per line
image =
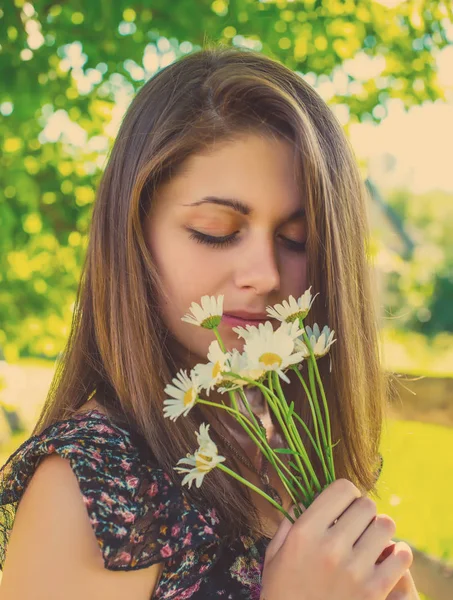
(375, 537)
(355, 520)
(332, 503)
(280, 536)
(390, 571)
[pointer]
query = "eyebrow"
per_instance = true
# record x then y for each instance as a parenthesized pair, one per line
(240, 207)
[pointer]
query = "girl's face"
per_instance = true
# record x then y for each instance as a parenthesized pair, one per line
(262, 258)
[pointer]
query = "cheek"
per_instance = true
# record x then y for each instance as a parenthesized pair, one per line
(187, 272)
(294, 276)
(196, 266)
(190, 272)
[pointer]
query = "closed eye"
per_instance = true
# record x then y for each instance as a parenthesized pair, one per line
(226, 240)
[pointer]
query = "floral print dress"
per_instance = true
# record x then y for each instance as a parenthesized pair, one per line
(138, 515)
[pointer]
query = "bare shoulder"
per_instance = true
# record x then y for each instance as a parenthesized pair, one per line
(90, 405)
(53, 551)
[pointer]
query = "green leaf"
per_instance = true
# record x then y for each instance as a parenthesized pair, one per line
(291, 464)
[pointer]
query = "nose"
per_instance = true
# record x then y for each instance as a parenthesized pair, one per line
(258, 267)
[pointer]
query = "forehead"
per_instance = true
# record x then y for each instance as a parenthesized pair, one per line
(254, 171)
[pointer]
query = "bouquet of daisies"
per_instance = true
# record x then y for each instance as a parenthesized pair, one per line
(266, 357)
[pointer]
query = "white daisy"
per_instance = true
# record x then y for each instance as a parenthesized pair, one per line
(209, 374)
(202, 461)
(320, 342)
(292, 310)
(239, 363)
(273, 350)
(266, 329)
(208, 315)
(183, 394)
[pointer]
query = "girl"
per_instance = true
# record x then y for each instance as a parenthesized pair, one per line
(231, 176)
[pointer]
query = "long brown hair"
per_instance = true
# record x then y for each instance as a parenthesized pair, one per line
(119, 347)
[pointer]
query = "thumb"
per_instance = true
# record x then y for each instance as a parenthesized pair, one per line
(280, 535)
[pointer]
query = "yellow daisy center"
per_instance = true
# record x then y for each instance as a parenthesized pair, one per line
(216, 369)
(188, 397)
(269, 358)
(200, 465)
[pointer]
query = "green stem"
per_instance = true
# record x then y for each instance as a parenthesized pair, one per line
(247, 406)
(296, 436)
(286, 481)
(256, 489)
(265, 391)
(217, 405)
(311, 362)
(326, 410)
(241, 418)
(234, 412)
(266, 449)
(222, 347)
(275, 406)
(272, 455)
(219, 339)
(318, 446)
(313, 366)
(310, 401)
(316, 403)
(307, 431)
(268, 452)
(282, 477)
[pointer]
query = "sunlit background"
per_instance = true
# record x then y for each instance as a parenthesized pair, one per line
(70, 70)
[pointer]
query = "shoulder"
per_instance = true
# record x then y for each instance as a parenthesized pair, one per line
(54, 543)
(139, 517)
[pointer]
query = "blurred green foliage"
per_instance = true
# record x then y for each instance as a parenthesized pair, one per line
(67, 68)
(406, 351)
(419, 292)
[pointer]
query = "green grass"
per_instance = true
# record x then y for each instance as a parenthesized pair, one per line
(416, 484)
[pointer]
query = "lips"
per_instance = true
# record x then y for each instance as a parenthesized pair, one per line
(243, 319)
(244, 314)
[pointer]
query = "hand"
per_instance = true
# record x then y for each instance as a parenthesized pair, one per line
(336, 546)
(405, 588)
